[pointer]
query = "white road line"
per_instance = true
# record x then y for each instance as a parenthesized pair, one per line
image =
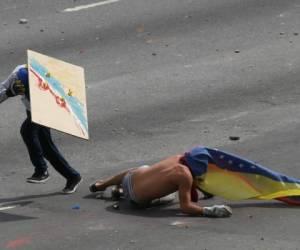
(92, 5)
(6, 208)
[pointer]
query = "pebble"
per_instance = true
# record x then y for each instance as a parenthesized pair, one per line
(180, 224)
(153, 54)
(23, 21)
(116, 206)
(234, 138)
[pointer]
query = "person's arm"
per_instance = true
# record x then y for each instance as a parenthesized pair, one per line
(3, 95)
(4, 88)
(189, 207)
(184, 191)
(11, 86)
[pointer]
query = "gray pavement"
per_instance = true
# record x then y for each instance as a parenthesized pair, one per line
(162, 76)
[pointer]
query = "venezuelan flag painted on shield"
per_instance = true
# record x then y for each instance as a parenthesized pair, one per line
(235, 178)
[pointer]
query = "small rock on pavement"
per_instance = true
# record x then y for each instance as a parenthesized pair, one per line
(23, 21)
(180, 224)
(116, 206)
(234, 138)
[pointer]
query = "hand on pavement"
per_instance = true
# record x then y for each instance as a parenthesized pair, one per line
(217, 211)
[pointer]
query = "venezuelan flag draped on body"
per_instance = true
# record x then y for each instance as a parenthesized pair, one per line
(235, 178)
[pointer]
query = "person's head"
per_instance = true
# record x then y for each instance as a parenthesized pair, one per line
(197, 160)
(22, 75)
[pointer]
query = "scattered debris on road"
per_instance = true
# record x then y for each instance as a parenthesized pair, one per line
(116, 206)
(180, 224)
(23, 21)
(234, 138)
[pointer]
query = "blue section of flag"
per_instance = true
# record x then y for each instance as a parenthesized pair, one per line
(199, 157)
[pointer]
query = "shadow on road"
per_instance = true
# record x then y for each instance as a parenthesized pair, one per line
(264, 204)
(5, 217)
(20, 201)
(126, 208)
(26, 197)
(172, 209)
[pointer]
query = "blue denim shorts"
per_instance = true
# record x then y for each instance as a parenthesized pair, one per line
(128, 186)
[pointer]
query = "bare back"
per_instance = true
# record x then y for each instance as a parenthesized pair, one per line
(160, 179)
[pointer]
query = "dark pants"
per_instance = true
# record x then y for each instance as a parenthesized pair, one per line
(40, 145)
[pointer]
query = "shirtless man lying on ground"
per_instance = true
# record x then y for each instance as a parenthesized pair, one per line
(143, 184)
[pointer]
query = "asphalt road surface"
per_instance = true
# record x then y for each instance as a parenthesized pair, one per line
(162, 76)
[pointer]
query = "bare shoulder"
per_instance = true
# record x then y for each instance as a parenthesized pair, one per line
(182, 176)
(183, 172)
